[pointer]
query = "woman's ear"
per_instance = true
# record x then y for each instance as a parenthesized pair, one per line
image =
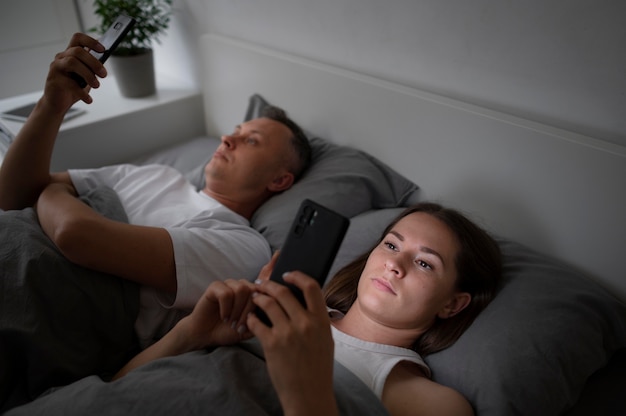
(456, 304)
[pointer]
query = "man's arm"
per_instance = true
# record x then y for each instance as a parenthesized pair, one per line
(25, 171)
(138, 253)
(141, 254)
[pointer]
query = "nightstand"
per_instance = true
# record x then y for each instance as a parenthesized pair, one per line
(115, 129)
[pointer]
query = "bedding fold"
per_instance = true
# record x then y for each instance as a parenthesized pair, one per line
(225, 381)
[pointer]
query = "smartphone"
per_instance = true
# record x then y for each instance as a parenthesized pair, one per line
(314, 238)
(111, 38)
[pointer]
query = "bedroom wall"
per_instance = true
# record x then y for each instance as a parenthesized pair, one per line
(559, 62)
(26, 52)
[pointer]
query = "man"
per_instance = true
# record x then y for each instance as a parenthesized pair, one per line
(177, 240)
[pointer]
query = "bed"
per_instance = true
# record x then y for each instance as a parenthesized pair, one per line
(554, 339)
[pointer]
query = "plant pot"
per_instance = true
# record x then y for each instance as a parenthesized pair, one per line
(134, 74)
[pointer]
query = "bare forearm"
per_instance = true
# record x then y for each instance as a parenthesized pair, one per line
(192, 333)
(311, 403)
(25, 171)
(173, 343)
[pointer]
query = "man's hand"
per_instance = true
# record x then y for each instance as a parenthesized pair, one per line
(62, 89)
(25, 171)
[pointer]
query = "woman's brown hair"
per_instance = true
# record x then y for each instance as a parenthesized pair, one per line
(478, 265)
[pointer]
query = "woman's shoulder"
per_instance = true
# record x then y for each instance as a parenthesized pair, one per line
(408, 391)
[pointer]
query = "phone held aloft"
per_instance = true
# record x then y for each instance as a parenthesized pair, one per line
(314, 238)
(110, 40)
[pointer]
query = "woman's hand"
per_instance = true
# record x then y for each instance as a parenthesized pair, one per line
(298, 347)
(217, 319)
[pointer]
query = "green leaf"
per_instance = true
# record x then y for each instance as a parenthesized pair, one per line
(152, 19)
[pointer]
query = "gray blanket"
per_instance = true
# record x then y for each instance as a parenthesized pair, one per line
(63, 325)
(225, 381)
(59, 322)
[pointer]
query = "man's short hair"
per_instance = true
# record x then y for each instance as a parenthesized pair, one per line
(299, 141)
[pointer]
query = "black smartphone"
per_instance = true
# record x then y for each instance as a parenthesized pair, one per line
(314, 238)
(111, 38)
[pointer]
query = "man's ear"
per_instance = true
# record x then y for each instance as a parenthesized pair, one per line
(281, 182)
(456, 304)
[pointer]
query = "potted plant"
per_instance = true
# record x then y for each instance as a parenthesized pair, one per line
(133, 60)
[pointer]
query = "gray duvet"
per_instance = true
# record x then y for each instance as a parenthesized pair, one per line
(225, 381)
(64, 325)
(59, 322)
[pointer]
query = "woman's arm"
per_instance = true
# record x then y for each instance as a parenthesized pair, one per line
(408, 392)
(217, 319)
(298, 347)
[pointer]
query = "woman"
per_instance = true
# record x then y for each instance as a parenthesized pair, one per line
(414, 293)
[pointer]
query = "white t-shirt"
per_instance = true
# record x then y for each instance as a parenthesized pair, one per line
(210, 241)
(369, 361)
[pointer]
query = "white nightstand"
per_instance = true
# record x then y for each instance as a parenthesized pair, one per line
(115, 129)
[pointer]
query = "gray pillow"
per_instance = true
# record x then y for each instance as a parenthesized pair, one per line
(531, 351)
(189, 158)
(341, 178)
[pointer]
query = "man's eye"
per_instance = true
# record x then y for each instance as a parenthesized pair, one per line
(423, 264)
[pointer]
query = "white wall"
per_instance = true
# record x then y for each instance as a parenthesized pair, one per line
(560, 61)
(31, 33)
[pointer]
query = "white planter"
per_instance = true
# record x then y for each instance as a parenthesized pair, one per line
(134, 74)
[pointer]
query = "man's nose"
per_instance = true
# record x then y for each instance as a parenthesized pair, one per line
(229, 140)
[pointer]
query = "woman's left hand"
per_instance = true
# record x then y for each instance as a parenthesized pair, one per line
(219, 317)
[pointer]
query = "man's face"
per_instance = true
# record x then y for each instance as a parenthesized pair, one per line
(252, 160)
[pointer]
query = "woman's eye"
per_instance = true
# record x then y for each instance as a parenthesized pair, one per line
(390, 246)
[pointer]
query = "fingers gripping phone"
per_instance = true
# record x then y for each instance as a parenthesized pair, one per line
(310, 247)
(110, 40)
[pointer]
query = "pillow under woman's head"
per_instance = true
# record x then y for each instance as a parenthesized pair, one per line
(532, 349)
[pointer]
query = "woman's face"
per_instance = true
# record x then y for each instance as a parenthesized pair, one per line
(409, 278)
